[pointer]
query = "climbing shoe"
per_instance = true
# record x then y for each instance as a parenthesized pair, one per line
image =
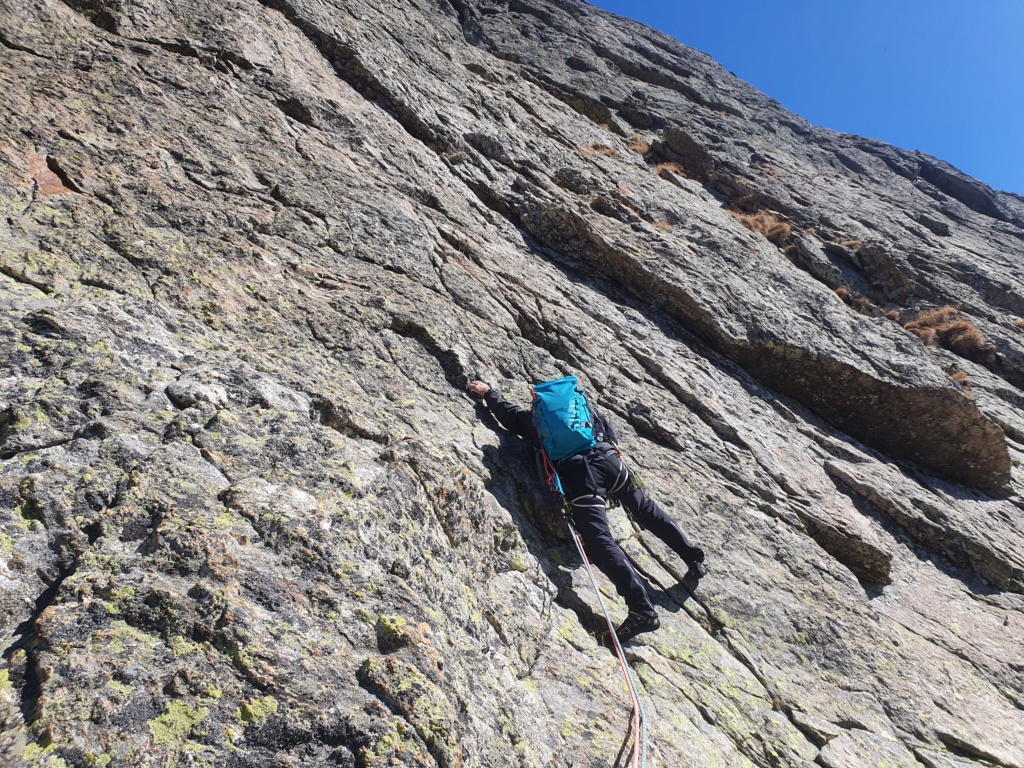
(636, 623)
(697, 570)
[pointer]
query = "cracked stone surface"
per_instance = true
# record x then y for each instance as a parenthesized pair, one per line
(250, 255)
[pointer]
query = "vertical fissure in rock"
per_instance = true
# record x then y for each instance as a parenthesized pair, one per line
(448, 359)
(349, 67)
(460, 12)
(30, 689)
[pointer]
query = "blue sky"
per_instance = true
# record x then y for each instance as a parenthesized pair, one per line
(942, 76)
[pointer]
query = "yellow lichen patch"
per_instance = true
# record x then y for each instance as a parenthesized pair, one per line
(43, 756)
(175, 723)
(181, 647)
(518, 563)
(120, 636)
(256, 710)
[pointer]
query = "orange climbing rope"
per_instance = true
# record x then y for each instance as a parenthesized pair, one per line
(638, 757)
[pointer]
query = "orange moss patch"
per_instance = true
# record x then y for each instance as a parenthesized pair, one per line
(946, 328)
(853, 300)
(961, 378)
(767, 223)
(675, 168)
(600, 149)
(638, 145)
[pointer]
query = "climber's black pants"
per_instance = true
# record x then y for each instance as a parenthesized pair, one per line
(588, 479)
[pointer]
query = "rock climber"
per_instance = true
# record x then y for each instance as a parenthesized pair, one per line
(588, 479)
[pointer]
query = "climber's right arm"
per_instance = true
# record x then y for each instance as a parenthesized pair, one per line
(518, 421)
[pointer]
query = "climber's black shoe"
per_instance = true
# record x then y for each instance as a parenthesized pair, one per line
(696, 571)
(635, 624)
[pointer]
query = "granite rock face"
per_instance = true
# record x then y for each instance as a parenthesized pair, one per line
(251, 253)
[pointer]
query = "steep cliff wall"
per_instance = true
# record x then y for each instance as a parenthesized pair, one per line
(251, 252)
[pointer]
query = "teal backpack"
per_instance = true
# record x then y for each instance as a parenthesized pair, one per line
(562, 418)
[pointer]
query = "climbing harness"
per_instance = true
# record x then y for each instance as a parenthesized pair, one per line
(638, 757)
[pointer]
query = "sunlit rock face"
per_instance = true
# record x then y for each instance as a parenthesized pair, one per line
(251, 253)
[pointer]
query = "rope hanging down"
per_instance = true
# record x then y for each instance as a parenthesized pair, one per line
(638, 757)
